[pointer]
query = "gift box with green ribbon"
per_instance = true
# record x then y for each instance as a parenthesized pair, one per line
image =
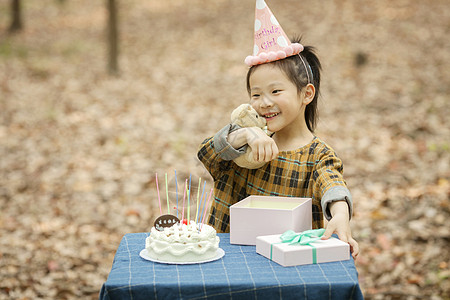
(307, 247)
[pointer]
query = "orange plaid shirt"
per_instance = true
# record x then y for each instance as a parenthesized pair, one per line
(311, 171)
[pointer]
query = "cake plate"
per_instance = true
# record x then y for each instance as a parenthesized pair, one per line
(219, 254)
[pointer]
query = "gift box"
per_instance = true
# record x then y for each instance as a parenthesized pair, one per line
(293, 253)
(265, 215)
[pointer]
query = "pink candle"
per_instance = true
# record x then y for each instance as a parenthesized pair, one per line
(207, 205)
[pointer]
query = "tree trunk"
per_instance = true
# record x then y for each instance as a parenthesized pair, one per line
(16, 14)
(113, 48)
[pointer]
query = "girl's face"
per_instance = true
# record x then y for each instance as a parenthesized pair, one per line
(276, 98)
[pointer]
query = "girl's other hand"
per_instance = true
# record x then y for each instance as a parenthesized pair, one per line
(340, 224)
(263, 146)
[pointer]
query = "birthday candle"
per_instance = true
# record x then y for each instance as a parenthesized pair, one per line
(203, 209)
(159, 198)
(200, 204)
(189, 198)
(207, 204)
(184, 198)
(167, 196)
(202, 201)
(176, 189)
(188, 204)
(198, 195)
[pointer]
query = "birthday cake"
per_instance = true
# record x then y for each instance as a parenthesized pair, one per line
(182, 243)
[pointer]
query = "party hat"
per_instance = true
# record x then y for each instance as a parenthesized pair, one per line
(271, 43)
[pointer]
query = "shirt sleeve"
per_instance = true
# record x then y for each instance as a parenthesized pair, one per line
(337, 193)
(216, 152)
(223, 147)
(330, 183)
(213, 153)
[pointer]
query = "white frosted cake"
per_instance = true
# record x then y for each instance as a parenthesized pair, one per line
(182, 243)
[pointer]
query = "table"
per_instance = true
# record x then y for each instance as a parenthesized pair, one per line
(240, 274)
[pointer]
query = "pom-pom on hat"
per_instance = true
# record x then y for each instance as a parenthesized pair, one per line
(271, 43)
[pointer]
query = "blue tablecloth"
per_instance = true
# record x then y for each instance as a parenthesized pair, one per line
(240, 274)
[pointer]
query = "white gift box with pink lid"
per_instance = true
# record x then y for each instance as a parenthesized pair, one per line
(265, 215)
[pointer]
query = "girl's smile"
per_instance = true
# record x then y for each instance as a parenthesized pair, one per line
(270, 116)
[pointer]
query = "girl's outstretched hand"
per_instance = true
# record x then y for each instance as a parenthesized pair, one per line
(340, 224)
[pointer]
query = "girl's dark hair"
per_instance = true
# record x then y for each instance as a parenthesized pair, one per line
(298, 72)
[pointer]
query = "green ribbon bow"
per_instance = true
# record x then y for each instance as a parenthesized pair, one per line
(304, 238)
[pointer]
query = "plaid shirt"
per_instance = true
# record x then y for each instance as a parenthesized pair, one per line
(313, 171)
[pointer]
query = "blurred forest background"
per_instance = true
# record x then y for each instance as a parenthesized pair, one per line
(80, 142)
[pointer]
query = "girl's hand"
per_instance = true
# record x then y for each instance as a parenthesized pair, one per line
(263, 146)
(340, 224)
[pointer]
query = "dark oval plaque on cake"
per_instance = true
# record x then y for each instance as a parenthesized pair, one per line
(166, 221)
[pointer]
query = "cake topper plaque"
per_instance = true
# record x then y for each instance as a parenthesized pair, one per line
(166, 221)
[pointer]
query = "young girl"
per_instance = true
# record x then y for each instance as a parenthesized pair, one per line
(299, 164)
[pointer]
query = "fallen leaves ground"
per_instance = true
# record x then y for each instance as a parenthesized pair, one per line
(79, 149)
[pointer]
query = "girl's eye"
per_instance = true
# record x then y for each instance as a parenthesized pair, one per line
(255, 95)
(276, 91)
